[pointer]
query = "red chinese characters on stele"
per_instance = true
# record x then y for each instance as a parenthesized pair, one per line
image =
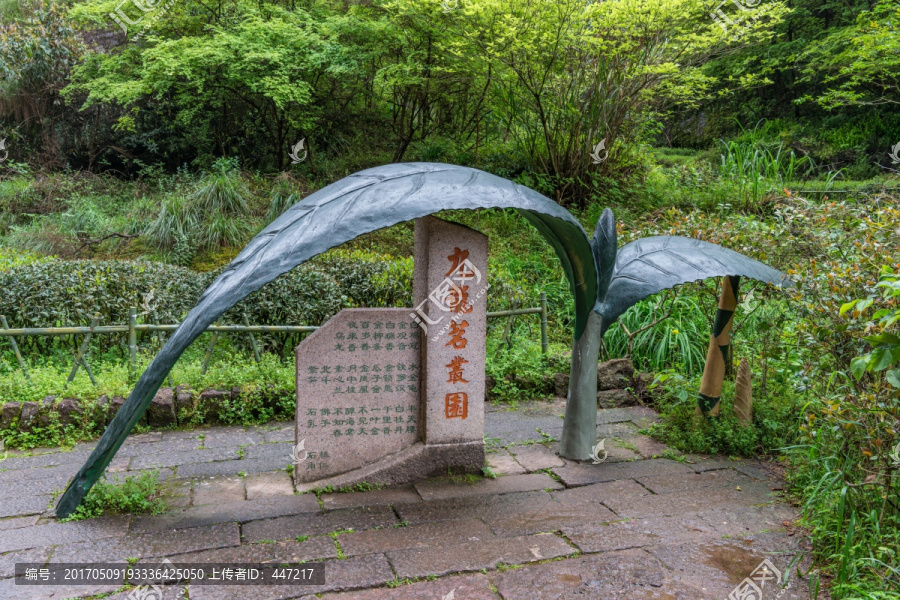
(456, 401)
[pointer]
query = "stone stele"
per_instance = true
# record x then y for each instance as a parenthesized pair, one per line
(450, 294)
(357, 391)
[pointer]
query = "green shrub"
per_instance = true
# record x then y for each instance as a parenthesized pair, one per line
(57, 293)
(368, 278)
(10, 258)
(304, 296)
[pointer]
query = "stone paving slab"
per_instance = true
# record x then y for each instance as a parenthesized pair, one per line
(18, 477)
(118, 477)
(146, 545)
(224, 437)
(637, 533)
(291, 552)
(281, 433)
(644, 446)
(20, 489)
(347, 574)
(10, 591)
(441, 489)
(24, 505)
(721, 565)
(189, 444)
(283, 528)
(233, 467)
(584, 474)
(484, 507)
(266, 485)
(183, 457)
(750, 520)
(536, 457)
(17, 522)
(223, 513)
(527, 434)
(685, 502)
(219, 491)
(177, 493)
(282, 450)
(630, 574)
(388, 496)
(672, 484)
(756, 470)
(35, 555)
(616, 415)
(143, 438)
(569, 508)
(473, 556)
(414, 536)
(51, 459)
(37, 536)
(617, 451)
(502, 463)
(702, 464)
(462, 587)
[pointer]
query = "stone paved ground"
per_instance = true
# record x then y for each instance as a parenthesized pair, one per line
(637, 526)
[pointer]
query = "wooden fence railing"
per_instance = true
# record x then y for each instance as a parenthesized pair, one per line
(133, 327)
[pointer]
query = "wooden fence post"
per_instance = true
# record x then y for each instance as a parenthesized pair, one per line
(82, 353)
(15, 348)
(544, 344)
(132, 343)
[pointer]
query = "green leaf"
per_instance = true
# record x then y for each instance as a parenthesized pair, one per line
(893, 377)
(847, 306)
(858, 366)
(881, 359)
(884, 339)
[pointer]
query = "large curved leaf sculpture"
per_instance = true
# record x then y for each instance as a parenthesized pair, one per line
(604, 283)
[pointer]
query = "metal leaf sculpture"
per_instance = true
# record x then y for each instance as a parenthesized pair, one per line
(624, 278)
(383, 196)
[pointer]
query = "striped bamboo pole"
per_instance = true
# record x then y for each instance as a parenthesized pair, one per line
(719, 352)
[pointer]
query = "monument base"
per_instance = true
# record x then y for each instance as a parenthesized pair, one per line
(413, 463)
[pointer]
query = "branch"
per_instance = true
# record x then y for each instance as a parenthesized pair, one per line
(87, 243)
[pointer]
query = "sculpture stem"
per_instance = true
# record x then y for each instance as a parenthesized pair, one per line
(580, 427)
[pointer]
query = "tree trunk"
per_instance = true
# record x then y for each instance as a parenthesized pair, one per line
(580, 426)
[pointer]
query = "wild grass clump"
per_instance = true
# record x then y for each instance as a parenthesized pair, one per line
(140, 494)
(216, 214)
